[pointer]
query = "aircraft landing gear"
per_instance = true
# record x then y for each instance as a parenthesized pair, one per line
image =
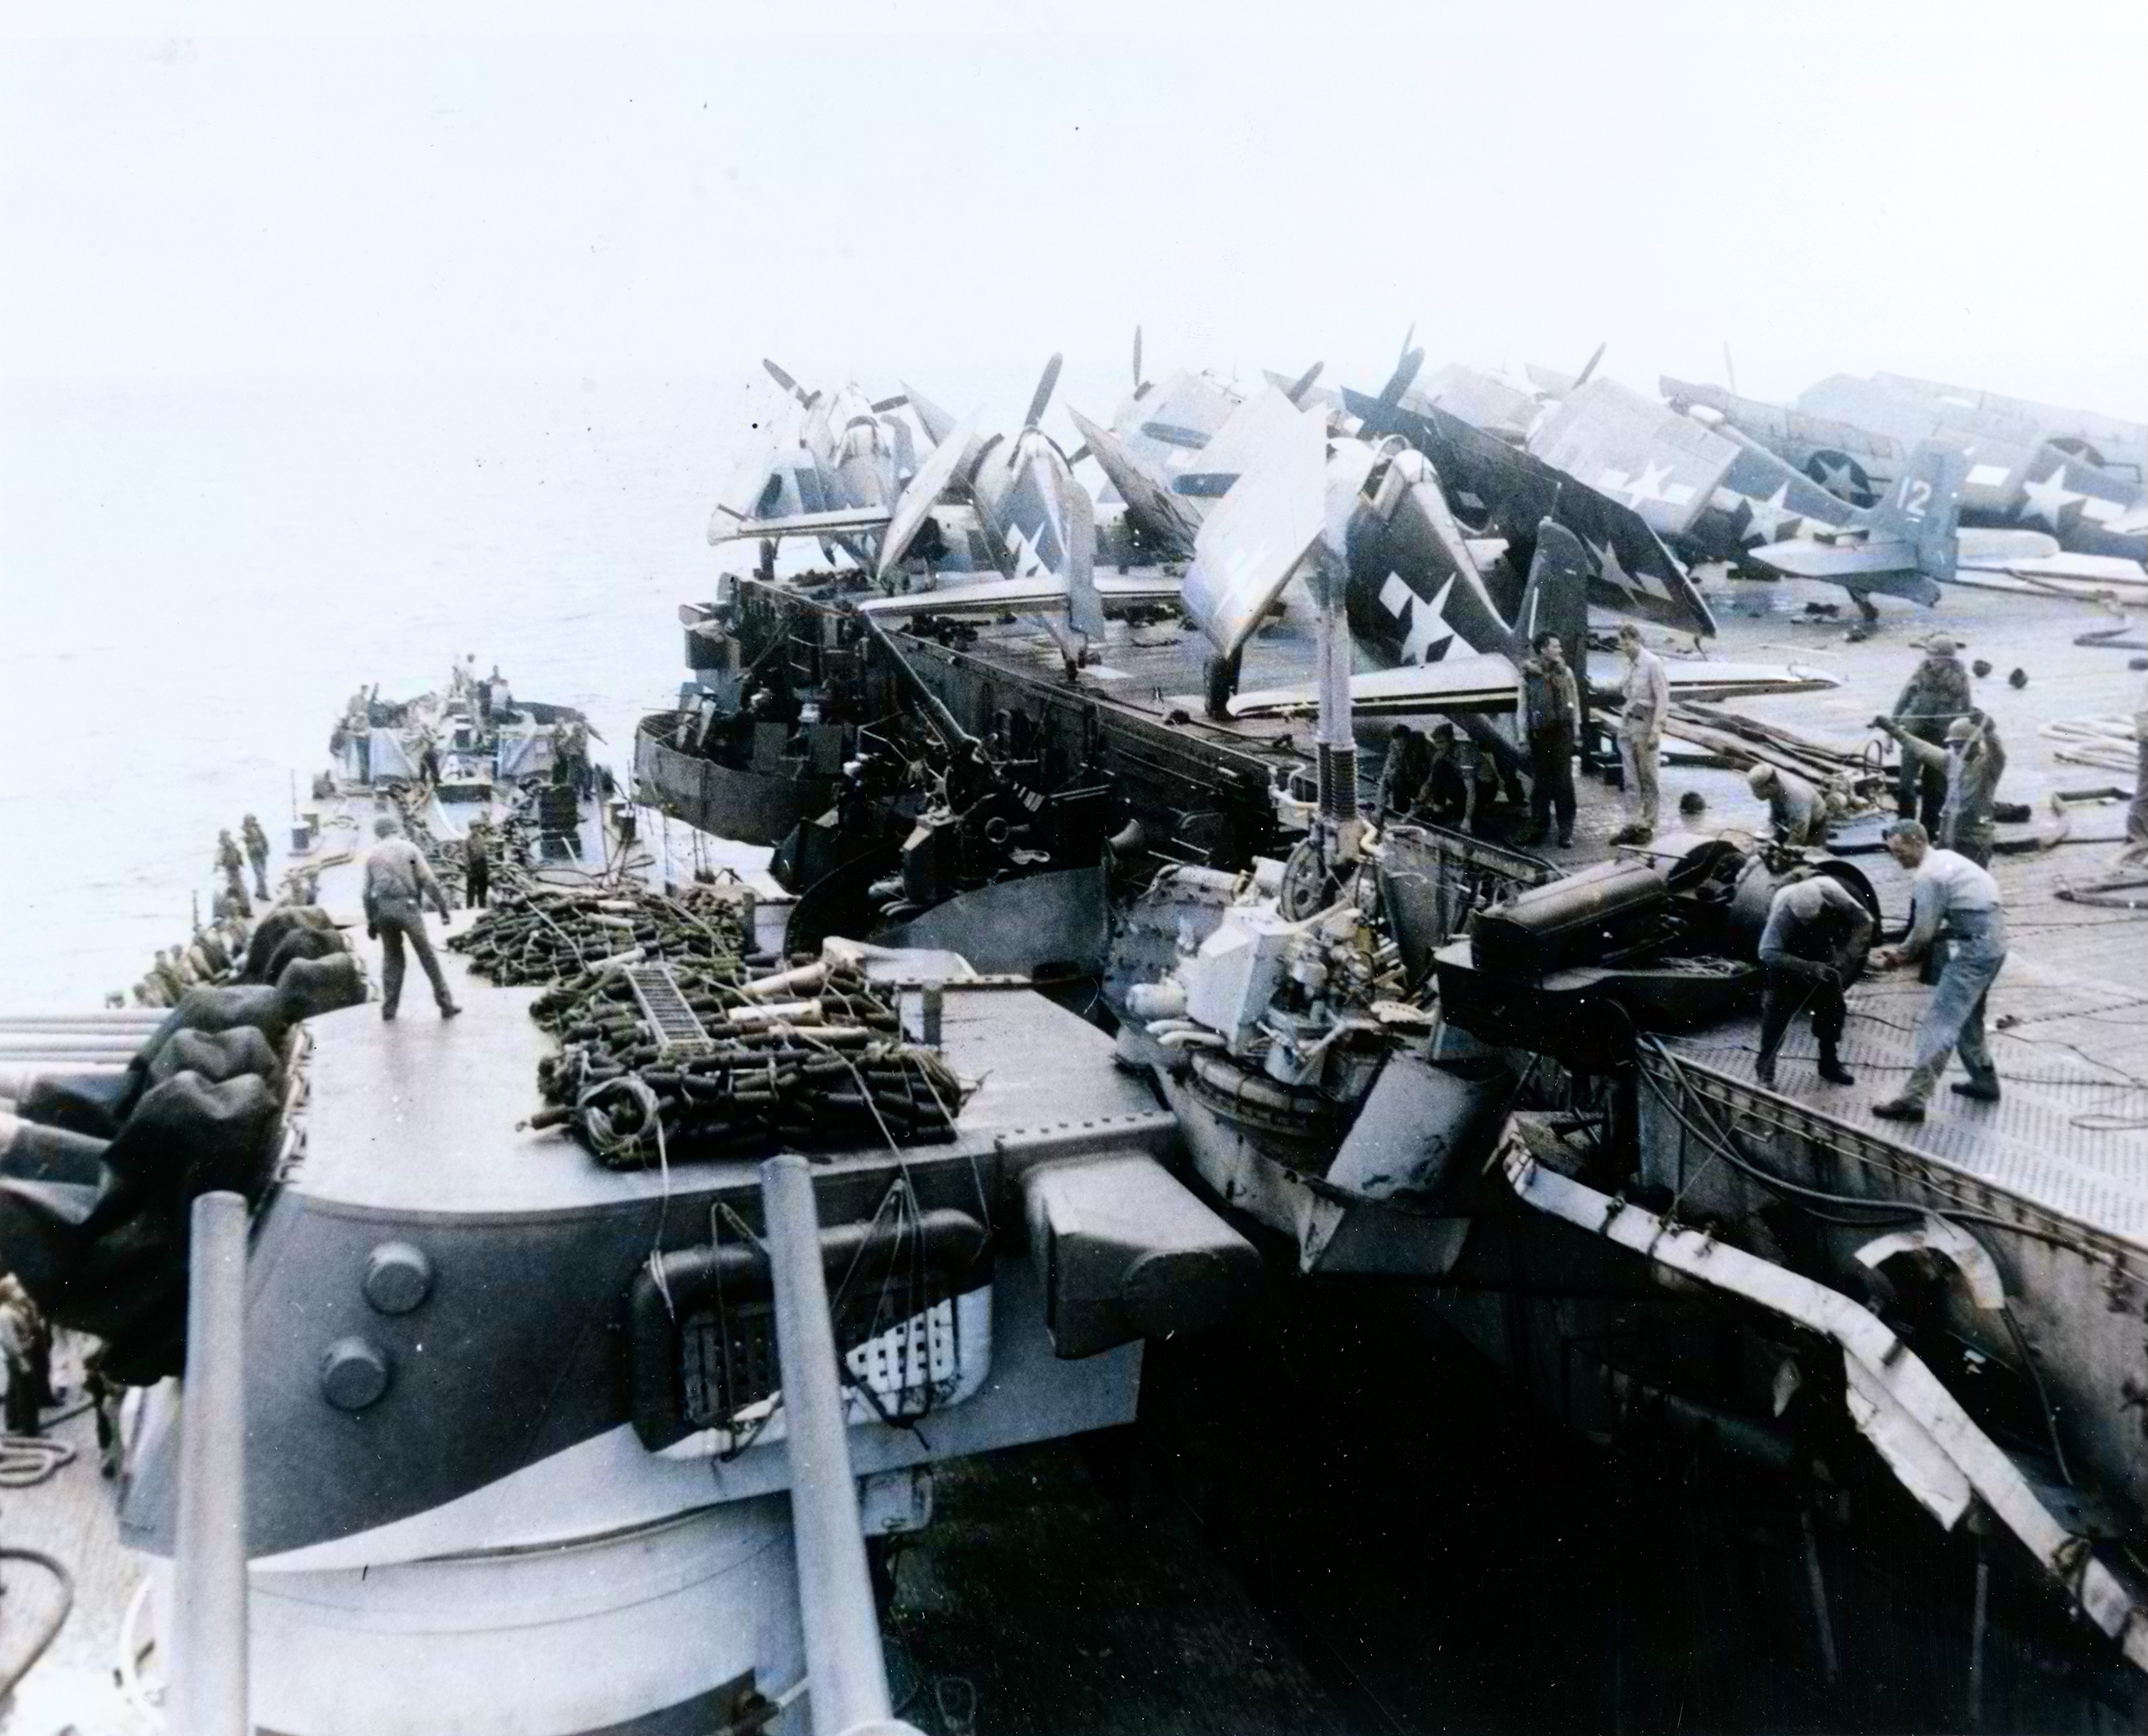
(1221, 683)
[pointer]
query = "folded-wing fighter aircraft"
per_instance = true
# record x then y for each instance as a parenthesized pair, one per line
(1037, 521)
(1630, 570)
(2111, 443)
(1356, 516)
(1714, 495)
(1166, 423)
(1855, 437)
(829, 467)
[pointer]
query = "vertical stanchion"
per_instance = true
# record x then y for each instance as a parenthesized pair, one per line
(844, 1666)
(209, 1602)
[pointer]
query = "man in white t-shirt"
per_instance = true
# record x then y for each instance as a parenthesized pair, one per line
(1951, 898)
(1644, 698)
(399, 882)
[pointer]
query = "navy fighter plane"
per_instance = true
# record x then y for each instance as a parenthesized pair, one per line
(1854, 436)
(829, 468)
(1711, 495)
(2111, 443)
(1037, 523)
(1165, 423)
(1369, 523)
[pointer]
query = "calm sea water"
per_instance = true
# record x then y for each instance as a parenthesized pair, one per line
(192, 582)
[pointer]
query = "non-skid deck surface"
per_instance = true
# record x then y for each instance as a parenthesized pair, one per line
(2069, 1012)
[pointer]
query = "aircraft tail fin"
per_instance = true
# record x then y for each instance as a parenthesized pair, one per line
(1555, 599)
(1924, 507)
(1902, 547)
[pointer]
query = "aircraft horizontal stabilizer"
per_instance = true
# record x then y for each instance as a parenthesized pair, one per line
(983, 596)
(1021, 597)
(1453, 684)
(1888, 564)
(1489, 684)
(2089, 569)
(723, 527)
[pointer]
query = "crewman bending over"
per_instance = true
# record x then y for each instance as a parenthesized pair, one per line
(1814, 944)
(397, 883)
(1950, 897)
(1797, 813)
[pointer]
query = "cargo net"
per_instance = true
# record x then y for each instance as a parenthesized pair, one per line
(678, 1062)
(899, 1330)
(675, 1044)
(537, 934)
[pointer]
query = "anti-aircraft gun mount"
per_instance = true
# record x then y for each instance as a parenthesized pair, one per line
(936, 836)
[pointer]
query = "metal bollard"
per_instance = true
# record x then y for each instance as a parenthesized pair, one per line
(847, 1674)
(209, 1600)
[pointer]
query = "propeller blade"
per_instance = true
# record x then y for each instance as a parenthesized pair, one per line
(1408, 337)
(1581, 378)
(789, 384)
(1192, 439)
(883, 405)
(1730, 368)
(1046, 387)
(1077, 455)
(1137, 360)
(1295, 392)
(1405, 375)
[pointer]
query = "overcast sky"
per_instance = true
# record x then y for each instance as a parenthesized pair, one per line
(1952, 189)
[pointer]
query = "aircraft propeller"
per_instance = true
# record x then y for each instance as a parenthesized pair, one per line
(783, 379)
(1407, 369)
(1581, 379)
(1296, 390)
(1041, 399)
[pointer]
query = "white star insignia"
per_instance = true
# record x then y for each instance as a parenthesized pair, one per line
(1650, 486)
(1629, 585)
(1764, 518)
(2049, 499)
(1427, 620)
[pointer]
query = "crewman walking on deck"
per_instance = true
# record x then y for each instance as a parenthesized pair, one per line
(1645, 698)
(397, 883)
(1950, 898)
(1971, 763)
(477, 865)
(1797, 813)
(257, 854)
(234, 867)
(165, 974)
(1550, 721)
(1934, 697)
(1815, 943)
